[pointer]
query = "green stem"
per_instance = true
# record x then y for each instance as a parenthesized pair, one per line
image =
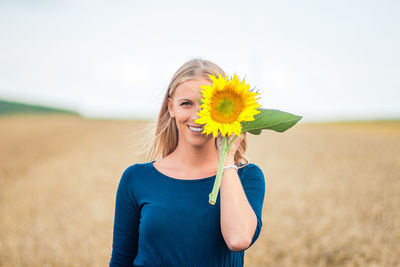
(230, 144)
(222, 156)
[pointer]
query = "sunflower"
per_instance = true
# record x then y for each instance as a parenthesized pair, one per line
(225, 105)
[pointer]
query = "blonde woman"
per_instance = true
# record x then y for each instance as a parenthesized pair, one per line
(162, 213)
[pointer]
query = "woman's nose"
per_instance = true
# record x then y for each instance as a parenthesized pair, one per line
(195, 116)
(195, 113)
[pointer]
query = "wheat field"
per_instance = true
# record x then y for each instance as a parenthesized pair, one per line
(332, 191)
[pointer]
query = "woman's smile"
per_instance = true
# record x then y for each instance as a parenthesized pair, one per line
(196, 129)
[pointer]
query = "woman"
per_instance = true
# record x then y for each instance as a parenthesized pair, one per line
(162, 213)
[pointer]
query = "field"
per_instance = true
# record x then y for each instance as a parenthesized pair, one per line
(332, 191)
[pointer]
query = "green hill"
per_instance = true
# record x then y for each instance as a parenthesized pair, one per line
(11, 108)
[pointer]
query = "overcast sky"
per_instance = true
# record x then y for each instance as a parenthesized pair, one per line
(324, 60)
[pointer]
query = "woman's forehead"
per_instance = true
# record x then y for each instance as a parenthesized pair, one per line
(191, 88)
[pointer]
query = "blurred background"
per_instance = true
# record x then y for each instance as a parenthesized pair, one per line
(325, 60)
(80, 80)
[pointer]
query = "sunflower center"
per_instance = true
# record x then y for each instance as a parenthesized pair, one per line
(226, 106)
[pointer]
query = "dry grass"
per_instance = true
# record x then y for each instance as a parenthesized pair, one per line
(333, 192)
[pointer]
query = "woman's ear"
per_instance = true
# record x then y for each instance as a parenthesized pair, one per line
(170, 108)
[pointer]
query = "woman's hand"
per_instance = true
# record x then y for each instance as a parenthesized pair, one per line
(234, 147)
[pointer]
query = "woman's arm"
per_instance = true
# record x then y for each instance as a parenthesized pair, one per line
(125, 235)
(238, 220)
(240, 225)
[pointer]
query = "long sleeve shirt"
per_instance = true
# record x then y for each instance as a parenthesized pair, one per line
(164, 221)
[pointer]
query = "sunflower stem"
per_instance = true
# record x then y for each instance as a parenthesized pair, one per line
(230, 144)
(222, 156)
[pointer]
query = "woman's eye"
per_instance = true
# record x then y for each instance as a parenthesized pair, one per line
(185, 103)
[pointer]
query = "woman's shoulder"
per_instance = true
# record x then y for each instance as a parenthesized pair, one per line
(249, 166)
(138, 167)
(136, 170)
(251, 169)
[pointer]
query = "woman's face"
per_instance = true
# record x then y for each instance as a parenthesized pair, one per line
(184, 106)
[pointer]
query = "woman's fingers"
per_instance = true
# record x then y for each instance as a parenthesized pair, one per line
(235, 144)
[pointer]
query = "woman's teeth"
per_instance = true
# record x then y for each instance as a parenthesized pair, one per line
(196, 129)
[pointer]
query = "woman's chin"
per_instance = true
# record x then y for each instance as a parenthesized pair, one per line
(198, 141)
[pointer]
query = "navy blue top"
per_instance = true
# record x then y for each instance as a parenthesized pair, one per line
(164, 221)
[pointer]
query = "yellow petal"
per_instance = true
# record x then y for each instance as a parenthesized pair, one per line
(225, 104)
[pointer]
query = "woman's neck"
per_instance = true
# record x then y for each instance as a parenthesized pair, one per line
(197, 157)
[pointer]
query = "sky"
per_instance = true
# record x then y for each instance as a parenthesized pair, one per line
(323, 60)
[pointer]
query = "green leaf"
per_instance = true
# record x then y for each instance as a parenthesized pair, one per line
(270, 119)
(255, 132)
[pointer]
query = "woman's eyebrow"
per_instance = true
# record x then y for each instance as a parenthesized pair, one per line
(184, 99)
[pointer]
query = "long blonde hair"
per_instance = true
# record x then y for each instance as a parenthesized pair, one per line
(165, 139)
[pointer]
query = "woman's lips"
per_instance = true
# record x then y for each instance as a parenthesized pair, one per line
(197, 129)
